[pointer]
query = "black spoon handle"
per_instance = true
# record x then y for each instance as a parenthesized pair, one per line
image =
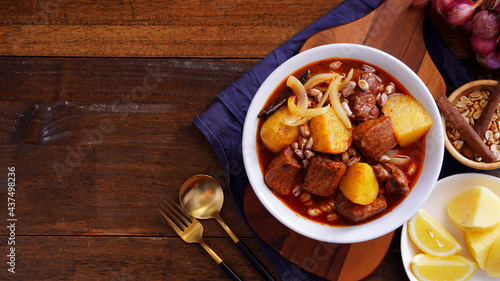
(229, 271)
(255, 262)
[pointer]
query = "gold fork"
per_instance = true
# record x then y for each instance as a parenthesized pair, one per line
(191, 231)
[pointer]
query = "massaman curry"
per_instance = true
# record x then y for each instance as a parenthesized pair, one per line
(341, 142)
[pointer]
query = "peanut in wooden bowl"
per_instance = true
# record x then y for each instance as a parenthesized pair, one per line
(465, 90)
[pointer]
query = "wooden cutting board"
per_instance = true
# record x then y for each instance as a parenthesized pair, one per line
(326, 260)
(396, 28)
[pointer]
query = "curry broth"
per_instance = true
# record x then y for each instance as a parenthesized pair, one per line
(415, 151)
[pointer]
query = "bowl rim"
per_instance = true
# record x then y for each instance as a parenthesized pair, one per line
(394, 218)
(467, 88)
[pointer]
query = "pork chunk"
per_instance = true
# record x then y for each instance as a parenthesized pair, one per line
(323, 175)
(381, 174)
(374, 138)
(391, 179)
(284, 173)
(398, 182)
(372, 82)
(356, 212)
(363, 106)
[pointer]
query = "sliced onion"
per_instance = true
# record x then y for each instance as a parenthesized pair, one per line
(295, 121)
(333, 93)
(392, 152)
(394, 159)
(399, 159)
(319, 79)
(299, 90)
(347, 79)
(305, 112)
(326, 95)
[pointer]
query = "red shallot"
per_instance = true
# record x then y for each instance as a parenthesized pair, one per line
(461, 11)
(467, 27)
(440, 6)
(486, 24)
(490, 4)
(478, 18)
(481, 45)
(489, 61)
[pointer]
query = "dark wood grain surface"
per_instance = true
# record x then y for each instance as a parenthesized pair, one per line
(96, 108)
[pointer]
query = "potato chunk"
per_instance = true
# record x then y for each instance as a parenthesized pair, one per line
(478, 244)
(359, 184)
(476, 209)
(410, 119)
(493, 259)
(330, 135)
(275, 134)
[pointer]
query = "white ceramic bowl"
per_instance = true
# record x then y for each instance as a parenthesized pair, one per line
(434, 148)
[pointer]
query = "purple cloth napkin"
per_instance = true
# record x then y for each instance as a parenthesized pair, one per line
(222, 123)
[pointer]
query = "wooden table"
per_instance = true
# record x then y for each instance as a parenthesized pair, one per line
(96, 108)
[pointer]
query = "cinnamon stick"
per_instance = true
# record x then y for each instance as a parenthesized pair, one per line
(484, 120)
(465, 130)
(282, 98)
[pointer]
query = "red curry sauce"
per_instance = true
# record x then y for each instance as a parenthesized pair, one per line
(415, 151)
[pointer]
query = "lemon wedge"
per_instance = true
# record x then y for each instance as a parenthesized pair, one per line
(431, 237)
(430, 268)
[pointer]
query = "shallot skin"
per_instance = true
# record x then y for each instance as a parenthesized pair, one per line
(490, 61)
(440, 6)
(467, 27)
(486, 24)
(481, 45)
(461, 11)
(491, 4)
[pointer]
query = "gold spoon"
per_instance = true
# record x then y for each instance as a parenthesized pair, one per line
(202, 197)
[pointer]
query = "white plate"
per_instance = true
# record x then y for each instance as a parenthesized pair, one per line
(444, 191)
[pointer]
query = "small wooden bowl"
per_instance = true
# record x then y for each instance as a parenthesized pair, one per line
(454, 97)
